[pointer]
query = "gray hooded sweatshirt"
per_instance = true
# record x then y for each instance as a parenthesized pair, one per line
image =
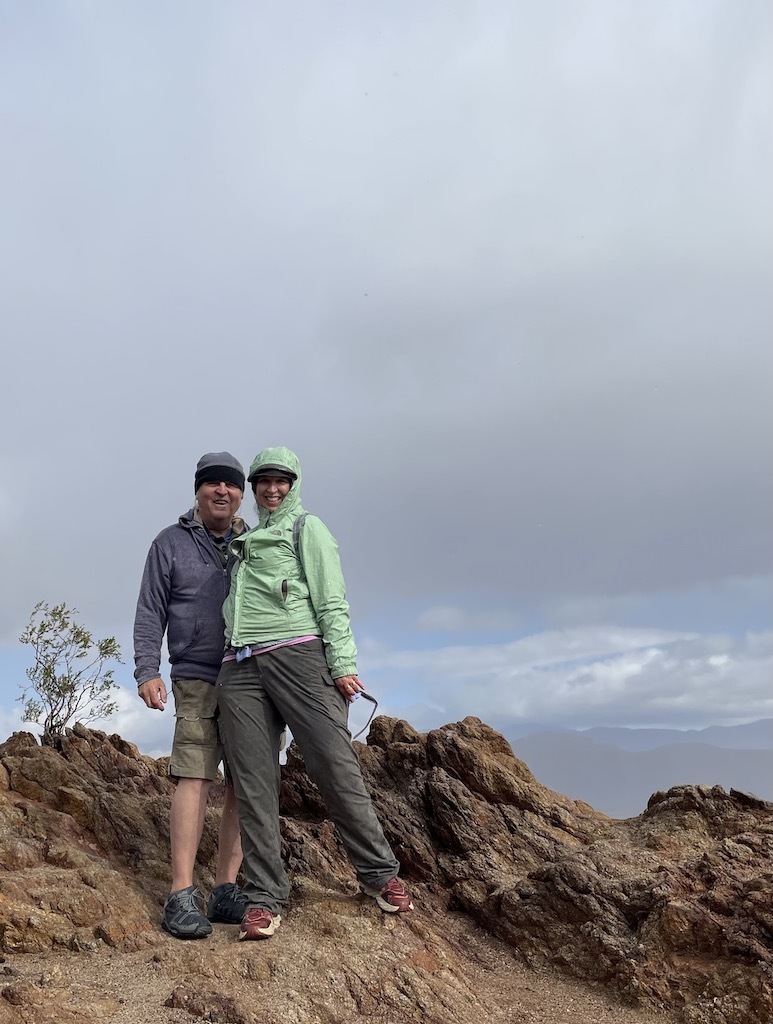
(182, 592)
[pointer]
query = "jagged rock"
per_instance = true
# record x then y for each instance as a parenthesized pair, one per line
(672, 909)
(201, 1001)
(50, 1000)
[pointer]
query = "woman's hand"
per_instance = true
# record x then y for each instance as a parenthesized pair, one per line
(349, 686)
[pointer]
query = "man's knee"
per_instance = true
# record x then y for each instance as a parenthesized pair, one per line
(190, 785)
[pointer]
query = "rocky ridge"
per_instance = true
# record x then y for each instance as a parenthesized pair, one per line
(669, 913)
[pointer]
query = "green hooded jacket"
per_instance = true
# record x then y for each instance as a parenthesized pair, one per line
(276, 596)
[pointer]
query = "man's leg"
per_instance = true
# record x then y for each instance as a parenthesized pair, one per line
(229, 845)
(227, 902)
(196, 754)
(183, 916)
(186, 823)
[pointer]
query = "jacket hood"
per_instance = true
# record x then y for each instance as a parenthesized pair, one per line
(191, 520)
(285, 459)
(188, 519)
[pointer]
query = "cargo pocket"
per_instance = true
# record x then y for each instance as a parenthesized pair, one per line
(196, 750)
(195, 731)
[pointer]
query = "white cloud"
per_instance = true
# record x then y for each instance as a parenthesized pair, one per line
(10, 722)
(580, 678)
(575, 678)
(151, 730)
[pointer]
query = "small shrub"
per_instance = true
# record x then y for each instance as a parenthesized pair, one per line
(68, 680)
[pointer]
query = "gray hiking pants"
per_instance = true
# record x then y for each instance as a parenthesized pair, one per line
(256, 698)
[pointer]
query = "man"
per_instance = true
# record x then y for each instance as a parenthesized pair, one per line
(186, 579)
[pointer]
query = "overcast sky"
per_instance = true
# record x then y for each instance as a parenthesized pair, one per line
(499, 272)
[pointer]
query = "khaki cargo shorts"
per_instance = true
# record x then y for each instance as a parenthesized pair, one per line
(196, 748)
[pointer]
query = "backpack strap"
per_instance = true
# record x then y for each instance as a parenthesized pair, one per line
(297, 527)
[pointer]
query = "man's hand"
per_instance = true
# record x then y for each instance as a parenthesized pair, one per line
(349, 686)
(153, 692)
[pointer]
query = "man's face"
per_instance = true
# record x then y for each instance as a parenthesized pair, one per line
(271, 491)
(218, 504)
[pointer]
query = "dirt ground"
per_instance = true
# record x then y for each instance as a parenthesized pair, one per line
(290, 973)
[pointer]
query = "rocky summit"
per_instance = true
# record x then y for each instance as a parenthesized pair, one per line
(531, 907)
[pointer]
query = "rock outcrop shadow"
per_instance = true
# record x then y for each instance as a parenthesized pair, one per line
(672, 909)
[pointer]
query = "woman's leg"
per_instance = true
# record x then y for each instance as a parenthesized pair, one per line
(301, 687)
(251, 727)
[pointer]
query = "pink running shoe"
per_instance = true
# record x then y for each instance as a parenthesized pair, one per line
(259, 923)
(393, 898)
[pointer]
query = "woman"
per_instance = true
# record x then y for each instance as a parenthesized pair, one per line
(291, 659)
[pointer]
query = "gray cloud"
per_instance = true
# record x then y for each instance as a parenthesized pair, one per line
(500, 277)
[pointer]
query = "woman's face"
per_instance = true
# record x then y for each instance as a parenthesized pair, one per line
(271, 491)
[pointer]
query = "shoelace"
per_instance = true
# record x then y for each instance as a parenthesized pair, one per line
(190, 901)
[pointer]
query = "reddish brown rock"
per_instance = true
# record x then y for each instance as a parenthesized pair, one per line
(50, 1000)
(672, 909)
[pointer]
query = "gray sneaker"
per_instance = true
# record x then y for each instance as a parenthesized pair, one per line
(227, 904)
(183, 916)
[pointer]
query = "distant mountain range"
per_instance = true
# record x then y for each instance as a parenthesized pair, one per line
(616, 770)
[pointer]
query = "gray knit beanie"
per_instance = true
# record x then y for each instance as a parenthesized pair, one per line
(218, 466)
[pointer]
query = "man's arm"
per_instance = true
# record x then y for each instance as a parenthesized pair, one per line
(150, 622)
